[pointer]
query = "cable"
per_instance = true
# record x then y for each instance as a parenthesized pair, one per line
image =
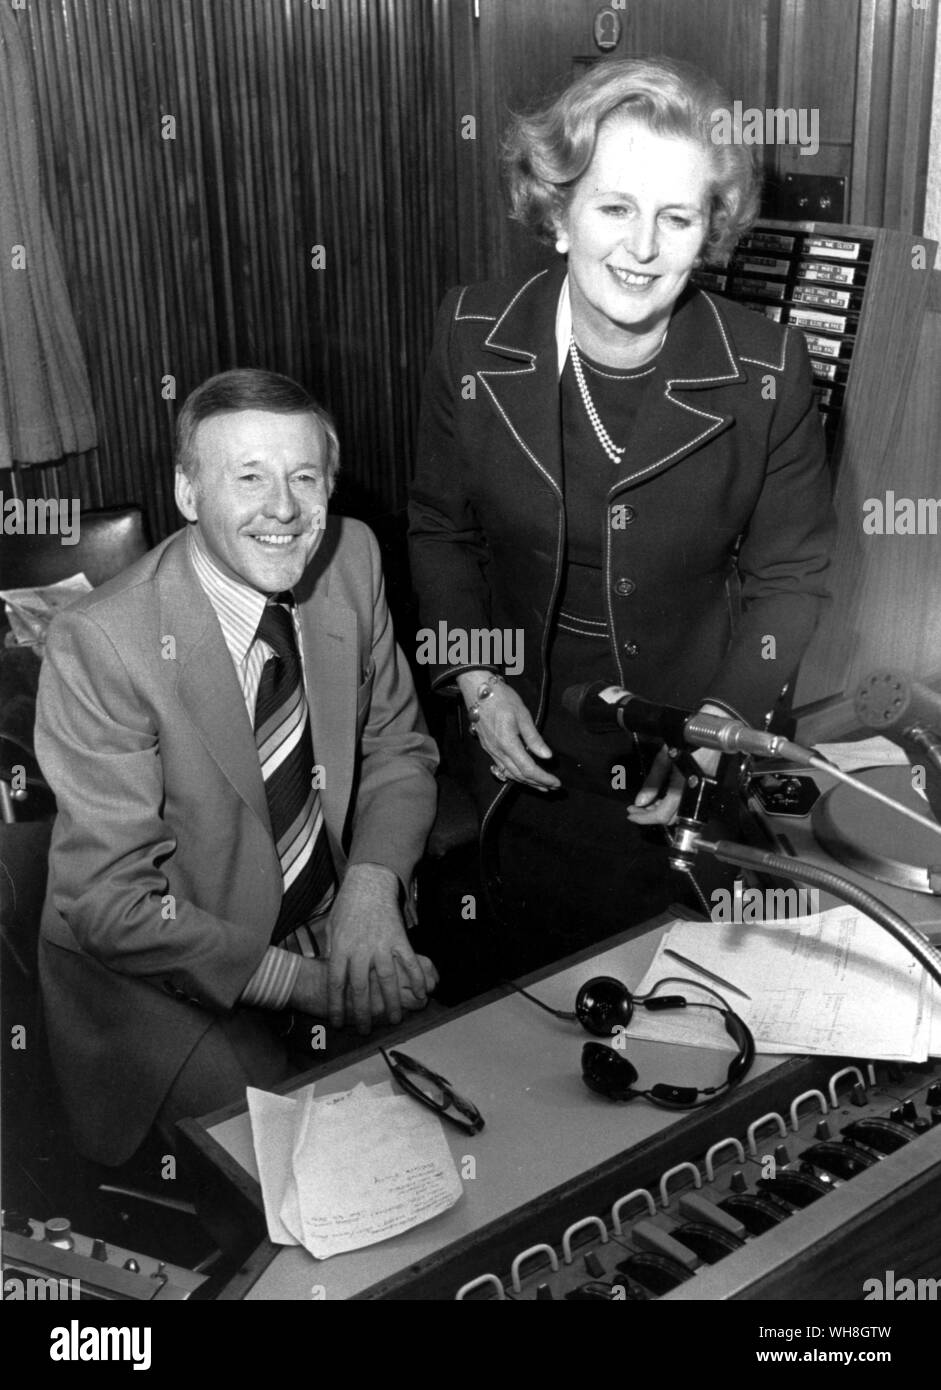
(556, 1013)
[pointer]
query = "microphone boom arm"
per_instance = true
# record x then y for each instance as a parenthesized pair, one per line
(780, 865)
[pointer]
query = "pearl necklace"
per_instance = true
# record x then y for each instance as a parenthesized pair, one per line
(614, 453)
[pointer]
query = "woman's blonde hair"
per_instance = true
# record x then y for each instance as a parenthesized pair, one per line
(547, 151)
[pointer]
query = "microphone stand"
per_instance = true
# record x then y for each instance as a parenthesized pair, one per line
(695, 809)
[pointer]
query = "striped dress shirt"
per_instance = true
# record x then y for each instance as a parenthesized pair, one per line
(239, 608)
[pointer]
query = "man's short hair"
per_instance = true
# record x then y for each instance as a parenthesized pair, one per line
(248, 388)
(547, 151)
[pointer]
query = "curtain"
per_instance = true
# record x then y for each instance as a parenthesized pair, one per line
(45, 400)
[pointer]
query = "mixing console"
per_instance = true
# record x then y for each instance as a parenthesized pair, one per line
(761, 1202)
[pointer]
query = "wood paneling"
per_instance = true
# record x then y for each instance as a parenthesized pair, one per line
(527, 50)
(886, 607)
(295, 126)
(341, 126)
(895, 57)
(818, 63)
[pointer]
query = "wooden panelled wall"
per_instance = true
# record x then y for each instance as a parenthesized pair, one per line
(295, 124)
(864, 65)
(342, 124)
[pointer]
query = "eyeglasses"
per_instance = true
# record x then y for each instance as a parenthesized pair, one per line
(434, 1091)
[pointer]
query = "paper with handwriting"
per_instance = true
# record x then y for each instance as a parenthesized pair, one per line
(348, 1170)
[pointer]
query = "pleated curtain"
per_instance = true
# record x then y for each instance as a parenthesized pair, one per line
(45, 401)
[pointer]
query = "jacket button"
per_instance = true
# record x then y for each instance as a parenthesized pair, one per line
(631, 649)
(624, 587)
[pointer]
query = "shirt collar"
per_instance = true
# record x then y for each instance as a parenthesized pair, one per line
(563, 324)
(237, 606)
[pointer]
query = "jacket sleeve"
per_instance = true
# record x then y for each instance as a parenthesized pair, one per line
(448, 549)
(784, 553)
(395, 794)
(111, 855)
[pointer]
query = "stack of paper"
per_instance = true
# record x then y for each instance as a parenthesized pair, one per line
(835, 984)
(351, 1169)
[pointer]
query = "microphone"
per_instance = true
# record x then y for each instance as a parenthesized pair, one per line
(909, 714)
(602, 707)
(897, 706)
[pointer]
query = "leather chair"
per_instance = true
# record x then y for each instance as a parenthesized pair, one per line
(109, 540)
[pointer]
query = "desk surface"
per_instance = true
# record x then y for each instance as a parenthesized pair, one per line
(544, 1128)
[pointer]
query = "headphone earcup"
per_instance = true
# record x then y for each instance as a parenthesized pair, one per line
(604, 1004)
(740, 1034)
(607, 1072)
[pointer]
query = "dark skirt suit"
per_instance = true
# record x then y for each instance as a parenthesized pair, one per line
(713, 537)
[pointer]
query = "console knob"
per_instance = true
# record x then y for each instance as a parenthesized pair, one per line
(909, 1111)
(822, 1129)
(738, 1182)
(58, 1231)
(933, 1098)
(99, 1251)
(543, 1292)
(781, 1155)
(859, 1095)
(132, 1266)
(936, 1114)
(921, 1124)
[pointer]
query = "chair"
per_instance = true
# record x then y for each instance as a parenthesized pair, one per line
(108, 541)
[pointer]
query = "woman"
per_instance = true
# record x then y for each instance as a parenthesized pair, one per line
(622, 474)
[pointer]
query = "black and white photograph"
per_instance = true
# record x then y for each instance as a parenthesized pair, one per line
(470, 667)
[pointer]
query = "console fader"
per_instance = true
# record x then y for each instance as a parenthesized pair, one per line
(715, 1228)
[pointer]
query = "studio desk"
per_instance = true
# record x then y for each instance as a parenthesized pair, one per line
(553, 1155)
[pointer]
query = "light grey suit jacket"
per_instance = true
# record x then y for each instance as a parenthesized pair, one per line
(164, 882)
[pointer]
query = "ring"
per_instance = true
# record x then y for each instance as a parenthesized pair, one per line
(499, 772)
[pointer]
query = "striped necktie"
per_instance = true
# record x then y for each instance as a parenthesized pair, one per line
(286, 753)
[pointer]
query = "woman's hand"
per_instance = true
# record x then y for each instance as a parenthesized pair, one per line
(507, 733)
(658, 800)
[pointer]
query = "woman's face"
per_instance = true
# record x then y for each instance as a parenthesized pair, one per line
(634, 228)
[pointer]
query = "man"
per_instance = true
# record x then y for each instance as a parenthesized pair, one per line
(243, 780)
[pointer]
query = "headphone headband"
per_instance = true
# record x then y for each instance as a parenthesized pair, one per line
(611, 1074)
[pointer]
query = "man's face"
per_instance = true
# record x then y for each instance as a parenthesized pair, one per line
(259, 494)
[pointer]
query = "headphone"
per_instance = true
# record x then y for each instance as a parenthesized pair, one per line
(604, 1006)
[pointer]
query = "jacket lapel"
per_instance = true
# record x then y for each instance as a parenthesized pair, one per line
(207, 685)
(525, 386)
(331, 667)
(696, 355)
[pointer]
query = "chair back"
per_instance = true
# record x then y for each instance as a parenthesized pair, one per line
(108, 541)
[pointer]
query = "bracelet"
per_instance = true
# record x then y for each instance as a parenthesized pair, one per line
(484, 692)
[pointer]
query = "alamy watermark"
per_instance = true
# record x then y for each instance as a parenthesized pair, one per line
(36, 1288)
(471, 648)
(763, 904)
(892, 1288)
(41, 516)
(901, 516)
(776, 125)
